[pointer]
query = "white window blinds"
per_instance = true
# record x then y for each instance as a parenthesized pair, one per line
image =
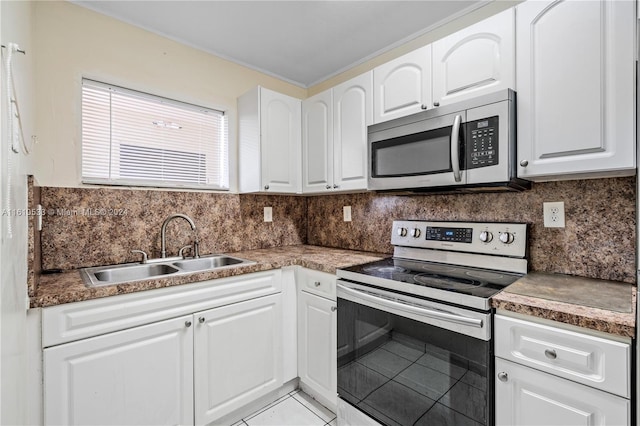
(133, 138)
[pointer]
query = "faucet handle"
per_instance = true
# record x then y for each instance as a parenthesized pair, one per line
(143, 253)
(181, 251)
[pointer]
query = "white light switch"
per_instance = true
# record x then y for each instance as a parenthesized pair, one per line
(268, 214)
(346, 213)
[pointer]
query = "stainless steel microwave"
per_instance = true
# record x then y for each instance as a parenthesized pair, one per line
(469, 146)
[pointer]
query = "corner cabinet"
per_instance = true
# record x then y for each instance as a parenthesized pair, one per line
(403, 86)
(269, 139)
(334, 137)
(477, 60)
(575, 63)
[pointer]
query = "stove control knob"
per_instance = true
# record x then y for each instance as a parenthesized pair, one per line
(486, 236)
(402, 232)
(415, 233)
(506, 237)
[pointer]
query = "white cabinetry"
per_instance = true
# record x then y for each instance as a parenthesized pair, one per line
(317, 336)
(575, 73)
(141, 376)
(317, 143)
(403, 86)
(476, 60)
(237, 356)
(269, 133)
(553, 376)
(220, 350)
(352, 113)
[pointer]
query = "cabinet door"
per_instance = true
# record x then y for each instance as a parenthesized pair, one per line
(525, 396)
(317, 143)
(402, 86)
(476, 60)
(317, 343)
(140, 376)
(238, 356)
(576, 88)
(352, 112)
(280, 126)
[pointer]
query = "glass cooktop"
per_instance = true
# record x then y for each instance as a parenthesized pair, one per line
(476, 282)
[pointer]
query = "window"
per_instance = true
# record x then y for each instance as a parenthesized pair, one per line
(133, 138)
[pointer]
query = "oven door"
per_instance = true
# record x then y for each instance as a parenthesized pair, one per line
(408, 361)
(417, 154)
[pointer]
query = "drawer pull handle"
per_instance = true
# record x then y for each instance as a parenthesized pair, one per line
(201, 320)
(317, 283)
(334, 308)
(503, 377)
(187, 324)
(550, 353)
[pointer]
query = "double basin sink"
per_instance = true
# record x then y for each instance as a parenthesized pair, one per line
(118, 274)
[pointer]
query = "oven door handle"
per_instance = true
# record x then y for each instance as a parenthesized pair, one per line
(455, 148)
(418, 310)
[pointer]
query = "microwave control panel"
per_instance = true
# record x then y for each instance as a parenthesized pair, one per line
(482, 143)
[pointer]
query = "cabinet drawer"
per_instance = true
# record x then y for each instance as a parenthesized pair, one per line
(74, 321)
(319, 283)
(601, 363)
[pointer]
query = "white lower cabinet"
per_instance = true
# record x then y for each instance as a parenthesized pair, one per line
(237, 356)
(194, 368)
(525, 396)
(140, 376)
(551, 374)
(317, 340)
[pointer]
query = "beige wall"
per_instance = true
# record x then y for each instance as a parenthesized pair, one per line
(471, 18)
(73, 42)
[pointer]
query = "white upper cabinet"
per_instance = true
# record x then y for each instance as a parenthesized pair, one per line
(476, 60)
(352, 113)
(317, 143)
(269, 142)
(403, 86)
(576, 89)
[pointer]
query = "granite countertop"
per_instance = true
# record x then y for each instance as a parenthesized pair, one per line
(67, 287)
(607, 306)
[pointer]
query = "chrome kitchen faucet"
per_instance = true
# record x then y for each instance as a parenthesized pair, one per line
(196, 250)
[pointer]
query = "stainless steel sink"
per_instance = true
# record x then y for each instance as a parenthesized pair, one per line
(205, 263)
(118, 274)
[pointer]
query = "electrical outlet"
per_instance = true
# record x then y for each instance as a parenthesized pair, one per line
(346, 213)
(553, 214)
(268, 214)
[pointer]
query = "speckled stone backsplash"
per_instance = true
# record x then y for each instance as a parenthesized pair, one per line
(599, 239)
(89, 227)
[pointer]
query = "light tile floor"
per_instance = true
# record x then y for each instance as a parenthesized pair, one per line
(294, 409)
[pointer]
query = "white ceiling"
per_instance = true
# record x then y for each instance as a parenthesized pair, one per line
(303, 42)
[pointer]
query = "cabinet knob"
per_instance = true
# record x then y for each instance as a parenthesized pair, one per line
(436, 104)
(423, 106)
(503, 377)
(328, 186)
(550, 353)
(524, 163)
(187, 323)
(336, 186)
(201, 320)
(334, 308)
(266, 187)
(317, 283)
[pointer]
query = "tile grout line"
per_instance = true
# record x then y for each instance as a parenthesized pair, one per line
(262, 410)
(313, 412)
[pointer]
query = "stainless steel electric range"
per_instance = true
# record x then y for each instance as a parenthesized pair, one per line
(415, 331)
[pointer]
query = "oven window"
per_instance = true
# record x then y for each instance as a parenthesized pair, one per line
(403, 372)
(418, 154)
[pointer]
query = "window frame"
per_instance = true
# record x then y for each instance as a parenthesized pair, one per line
(226, 148)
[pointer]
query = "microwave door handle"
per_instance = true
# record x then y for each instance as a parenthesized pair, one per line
(455, 148)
